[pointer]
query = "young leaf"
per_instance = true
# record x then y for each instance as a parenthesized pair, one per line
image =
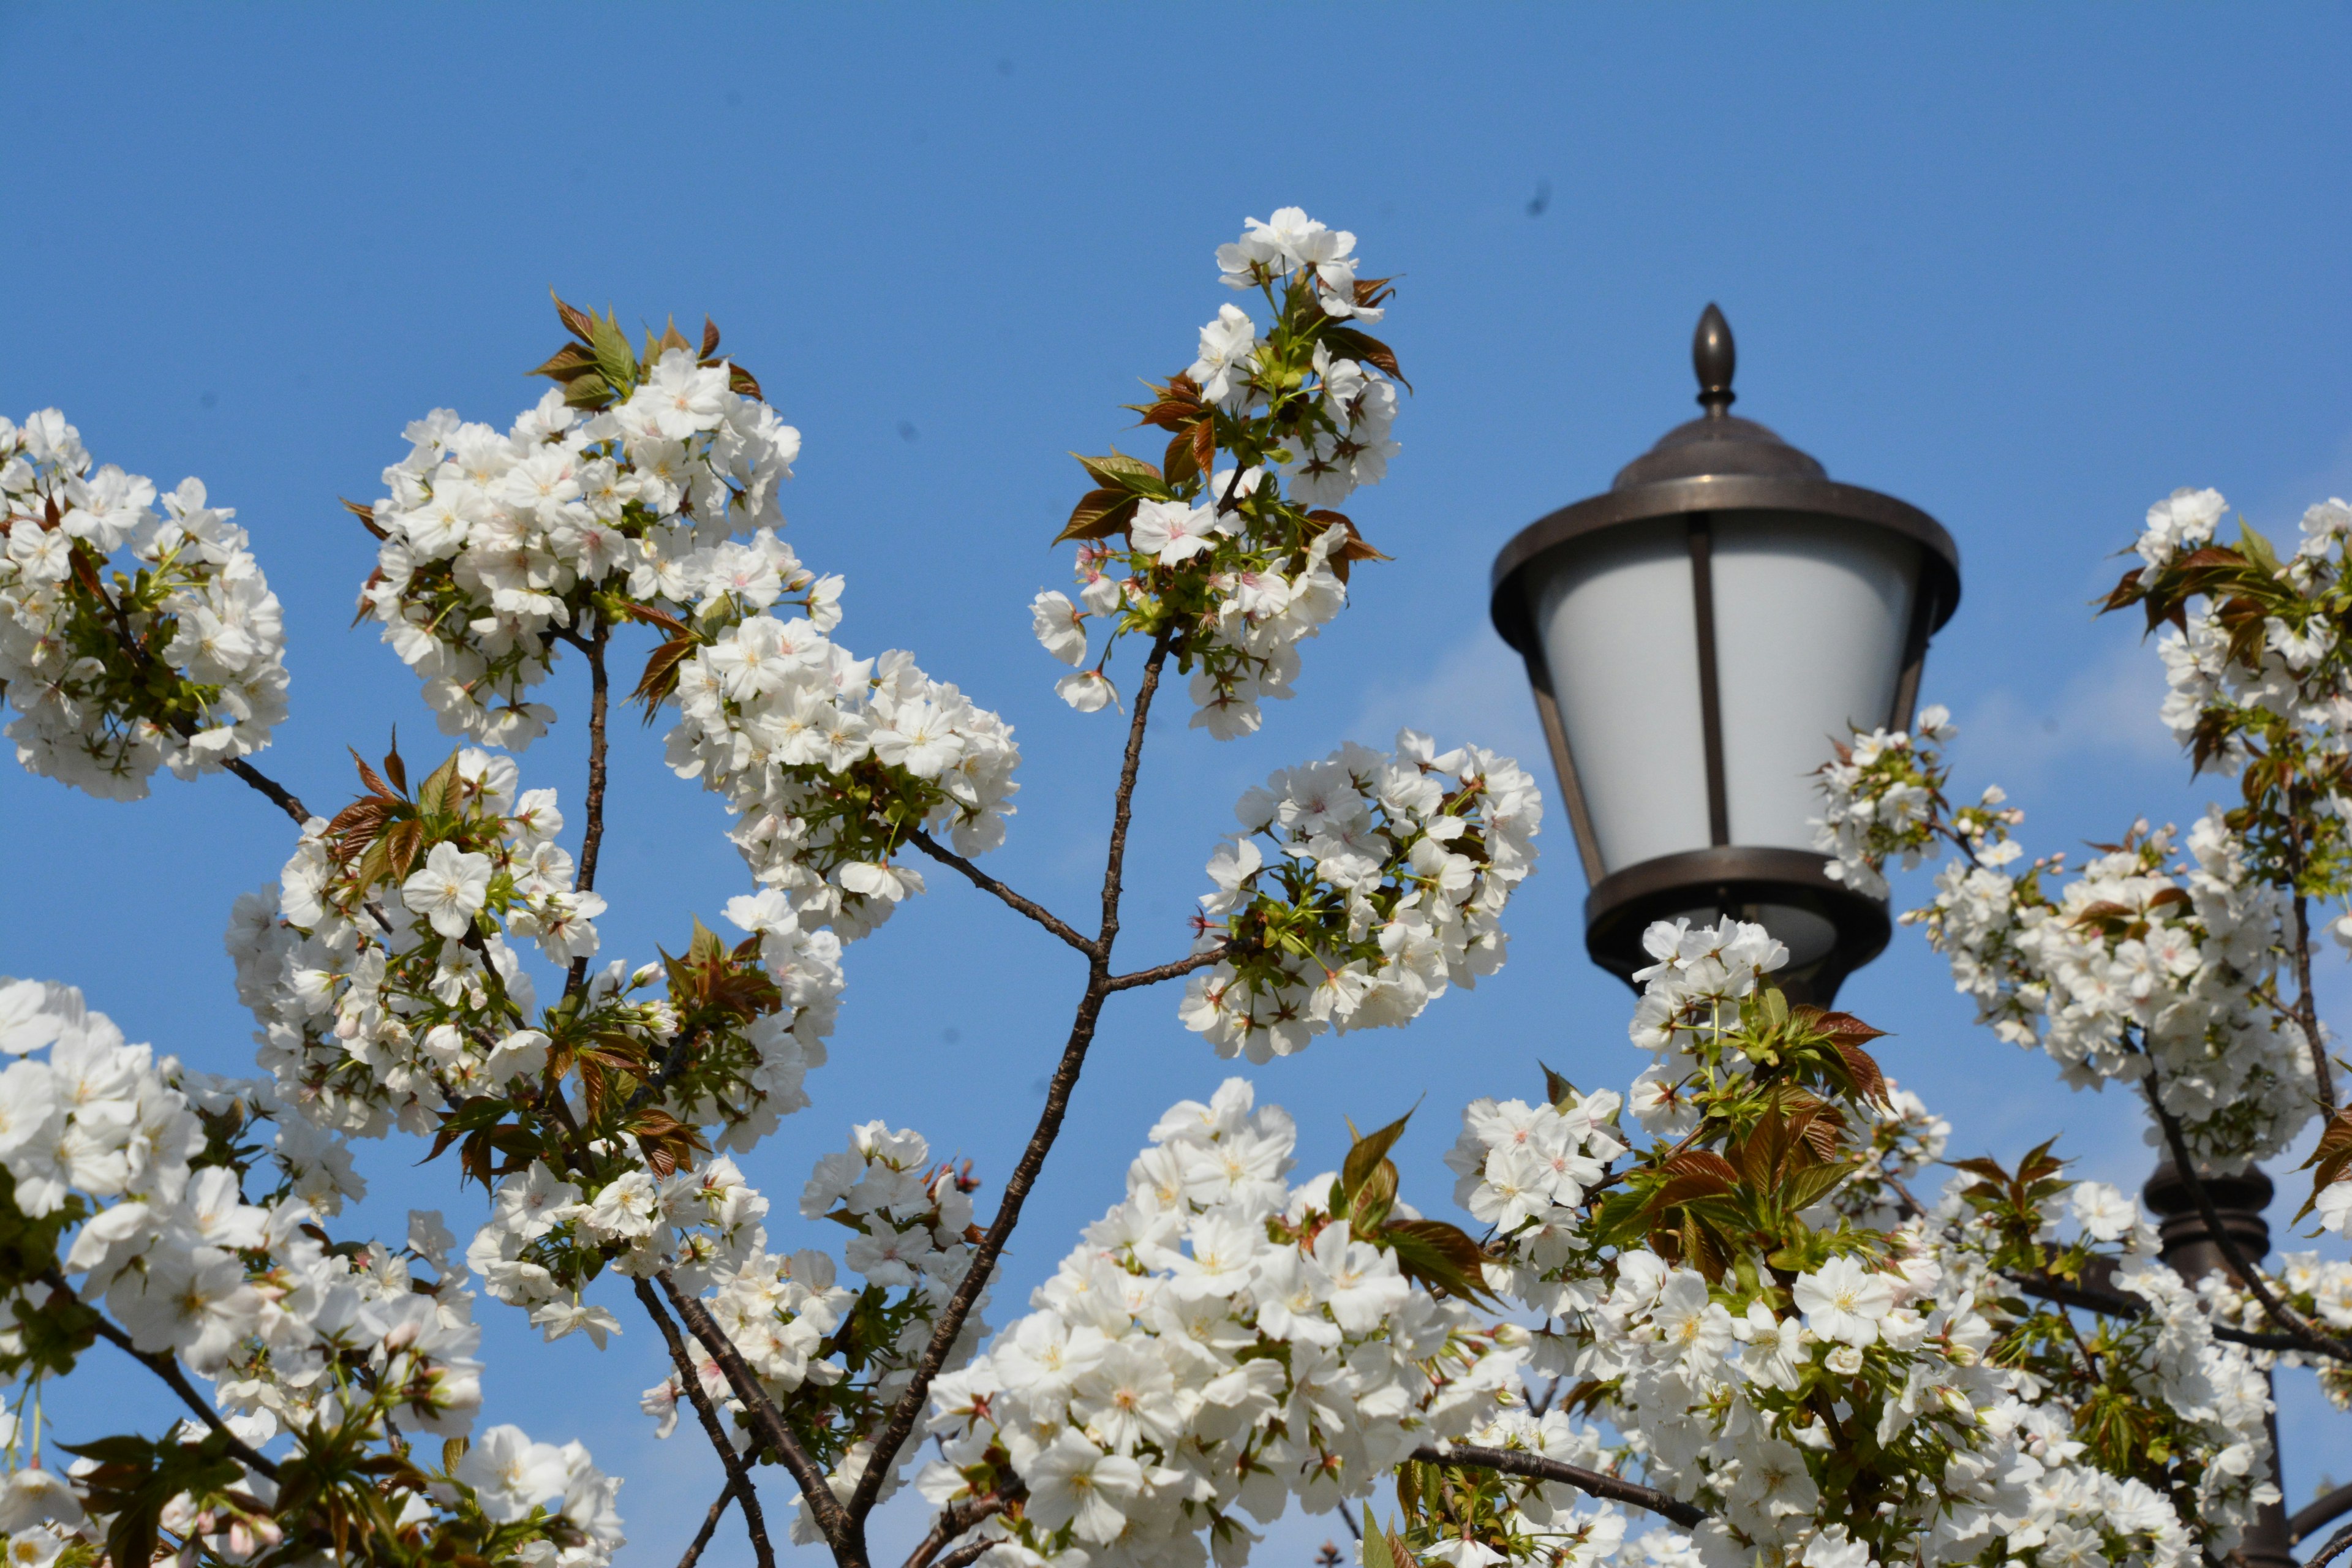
(576, 321)
(1365, 1155)
(1098, 515)
(366, 514)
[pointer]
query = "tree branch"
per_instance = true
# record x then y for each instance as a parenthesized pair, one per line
(2307, 1339)
(592, 831)
(910, 1408)
(739, 1474)
(1153, 976)
(164, 1367)
(2337, 1544)
(1535, 1467)
(2328, 1510)
(279, 795)
(2111, 1303)
(952, 1521)
(840, 1534)
(1123, 809)
(2306, 1007)
(710, 1521)
(988, 884)
(972, 1552)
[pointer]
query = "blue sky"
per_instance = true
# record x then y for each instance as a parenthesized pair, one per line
(2028, 270)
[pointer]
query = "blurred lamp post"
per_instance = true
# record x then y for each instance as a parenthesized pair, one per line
(1697, 637)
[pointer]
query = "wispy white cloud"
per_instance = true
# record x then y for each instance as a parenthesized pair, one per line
(1474, 691)
(2104, 714)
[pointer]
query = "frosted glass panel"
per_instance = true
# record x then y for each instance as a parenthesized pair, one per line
(1614, 612)
(1810, 616)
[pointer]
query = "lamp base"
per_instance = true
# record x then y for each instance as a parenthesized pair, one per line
(1830, 929)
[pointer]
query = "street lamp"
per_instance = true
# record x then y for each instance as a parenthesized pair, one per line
(1696, 638)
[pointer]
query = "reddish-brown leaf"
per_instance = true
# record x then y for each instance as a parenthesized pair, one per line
(366, 514)
(575, 321)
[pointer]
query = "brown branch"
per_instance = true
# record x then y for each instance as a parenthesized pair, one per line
(2328, 1510)
(953, 1520)
(988, 884)
(2306, 1338)
(2113, 1305)
(2306, 1007)
(739, 1475)
(1535, 1467)
(2337, 1544)
(840, 1532)
(2110, 1303)
(1123, 809)
(960, 1305)
(279, 795)
(710, 1522)
(164, 1367)
(1153, 976)
(972, 1552)
(592, 831)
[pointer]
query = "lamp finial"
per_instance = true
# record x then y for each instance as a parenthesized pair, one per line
(1714, 356)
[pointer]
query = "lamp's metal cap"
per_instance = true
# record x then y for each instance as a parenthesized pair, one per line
(1717, 442)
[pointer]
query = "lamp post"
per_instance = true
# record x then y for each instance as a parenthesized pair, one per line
(1696, 638)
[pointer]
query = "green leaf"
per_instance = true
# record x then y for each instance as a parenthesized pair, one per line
(433, 794)
(1557, 1090)
(1120, 472)
(616, 359)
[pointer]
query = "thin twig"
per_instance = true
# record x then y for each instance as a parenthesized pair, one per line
(2336, 1546)
(840, 1532)
(988, 884)
(1123, 809)
(710, 1522)
(738, 1471)
(592, 831)
(2306, 1007)
(2309, 1339)
(279, 795)
(958, 1308)
(972, 1552)
(1535, 1467)
(1164, 972)
(164, 1367)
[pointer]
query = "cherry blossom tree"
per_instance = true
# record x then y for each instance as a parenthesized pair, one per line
(1702, 1317)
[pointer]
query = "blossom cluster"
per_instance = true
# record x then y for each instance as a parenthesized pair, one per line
(1235, 565)
(498, 547)
(2145, 959)
(827, 761)
(1756, 1393)
(2319, 1289)
(128, 1179)
(1381, 883)
(1221, 1343)
(127, 642)
(386, 973)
